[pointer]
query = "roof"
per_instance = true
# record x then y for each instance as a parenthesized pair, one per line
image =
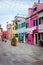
(19, 17)
(34, 14)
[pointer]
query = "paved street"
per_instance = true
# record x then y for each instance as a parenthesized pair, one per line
(22, 54)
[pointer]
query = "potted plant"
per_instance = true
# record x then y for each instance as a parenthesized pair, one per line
(13, 41)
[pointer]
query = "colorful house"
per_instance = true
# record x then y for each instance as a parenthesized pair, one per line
(22, 31)
(8, 32)
(14, 31)
(21, 27)
(4, 34)
(35, 24)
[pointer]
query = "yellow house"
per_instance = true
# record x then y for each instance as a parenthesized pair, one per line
(14, 31)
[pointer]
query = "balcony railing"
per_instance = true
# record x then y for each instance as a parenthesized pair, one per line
(30, 30)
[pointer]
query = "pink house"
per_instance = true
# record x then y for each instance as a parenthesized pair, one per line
(8, 32)
(35, 24)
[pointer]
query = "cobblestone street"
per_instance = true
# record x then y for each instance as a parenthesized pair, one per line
(22, 54)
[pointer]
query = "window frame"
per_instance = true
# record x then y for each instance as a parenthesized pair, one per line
(34, 9)
(36, 22)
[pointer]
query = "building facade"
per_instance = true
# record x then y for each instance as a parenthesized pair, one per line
(21, 27)
(22, 31)
(8, 32)
(14, 30)
(35, 24)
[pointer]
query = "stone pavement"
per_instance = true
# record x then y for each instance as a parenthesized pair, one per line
(22, 54)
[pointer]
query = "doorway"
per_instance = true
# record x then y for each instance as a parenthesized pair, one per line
(35, 39)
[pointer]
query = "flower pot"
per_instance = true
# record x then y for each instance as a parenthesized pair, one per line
(14, 43)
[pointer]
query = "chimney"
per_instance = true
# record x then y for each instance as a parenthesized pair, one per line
(38, 1)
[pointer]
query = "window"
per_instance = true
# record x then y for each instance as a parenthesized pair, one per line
(13, 23)
(39, 36)
(36, 22)
(42, 36)
(19, 26)
(16, 27)
(27, 25)
(23, 24)
(16, 35)
(13, 28)
(18, 20)
(34, 9)
(1, 30)
(42, 20)
(39, 20)
(26, 36)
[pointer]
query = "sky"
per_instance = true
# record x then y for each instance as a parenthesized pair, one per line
(10, 8)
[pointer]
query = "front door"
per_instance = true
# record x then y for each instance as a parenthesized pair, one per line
(35, 39)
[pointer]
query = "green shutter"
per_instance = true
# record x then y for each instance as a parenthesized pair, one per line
(22, 24)
(19, 26)
(16, 27)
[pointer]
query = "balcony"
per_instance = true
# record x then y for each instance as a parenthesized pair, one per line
(40, 27)
(30, 30)
(22, 30)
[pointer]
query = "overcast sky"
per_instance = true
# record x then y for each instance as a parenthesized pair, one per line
(10, 8)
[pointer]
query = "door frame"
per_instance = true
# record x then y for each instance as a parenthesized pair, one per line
(35, 39)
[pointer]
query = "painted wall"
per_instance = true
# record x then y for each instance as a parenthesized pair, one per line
(14, 31)
(38, 6)
(21, 31)
(8, 31)
(30, 21)
(22, 28)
